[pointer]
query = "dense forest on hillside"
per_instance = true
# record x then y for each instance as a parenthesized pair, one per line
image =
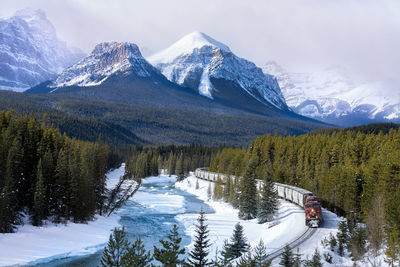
(123, 124)
(47, 175)
(179, 160)
(355, 173)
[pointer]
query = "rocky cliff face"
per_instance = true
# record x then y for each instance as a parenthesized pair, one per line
(30, 51)
(106, 59)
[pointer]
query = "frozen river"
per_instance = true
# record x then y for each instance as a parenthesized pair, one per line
(150, 214)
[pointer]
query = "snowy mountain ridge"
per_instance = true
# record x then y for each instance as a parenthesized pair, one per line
(331, 95)
(197, 59)
(30, 51)
(105, 59)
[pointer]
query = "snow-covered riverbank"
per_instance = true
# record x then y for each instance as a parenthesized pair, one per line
(40, 244)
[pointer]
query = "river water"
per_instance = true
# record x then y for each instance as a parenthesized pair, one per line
(150, 214)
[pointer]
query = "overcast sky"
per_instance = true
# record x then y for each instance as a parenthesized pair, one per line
(361, 35)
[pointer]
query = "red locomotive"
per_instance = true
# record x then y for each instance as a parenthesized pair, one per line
(313, 212)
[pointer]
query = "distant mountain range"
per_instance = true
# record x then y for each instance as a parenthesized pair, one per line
(196, 90)
(333, 96)
(30, 51)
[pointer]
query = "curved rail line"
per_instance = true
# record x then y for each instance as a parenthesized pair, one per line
(283, 191)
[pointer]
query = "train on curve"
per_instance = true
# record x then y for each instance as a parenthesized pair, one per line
(299, 196)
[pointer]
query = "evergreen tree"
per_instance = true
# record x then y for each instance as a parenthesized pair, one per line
(342, 237)
(39, 198)
(297, 259)
(137, 255)
(8, 197)
(169, 254)
(198, 256)
(115, 254)
(179, 170)
(226, 254)
(393, 247)
(218, 190)
(248, 193)
(261, 256)
(287, 259)
(246, 261)
(268, 204)
(315, 261)
(238, 244)
(171, 163)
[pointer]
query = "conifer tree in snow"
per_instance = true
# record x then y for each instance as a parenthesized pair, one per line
(246, 261)
(392, 251)
(268, 204)
(223, 258)
(169, 254)
(39, 197)
(137, 255)
(315, 261)
(248, 193)
(116, 252)
(238, 244)
(297, 259)
(198, 256)
(342, 237)
(260, 255)
(287, 259)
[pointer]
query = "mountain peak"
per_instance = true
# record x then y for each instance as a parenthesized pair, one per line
(30, 13)
(198, 39)
(186, 45)
(37, 19)
(106, 59)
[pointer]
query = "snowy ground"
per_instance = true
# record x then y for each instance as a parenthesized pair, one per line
(288, 225)
(41, 244)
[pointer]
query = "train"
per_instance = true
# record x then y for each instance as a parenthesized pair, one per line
(299, 196)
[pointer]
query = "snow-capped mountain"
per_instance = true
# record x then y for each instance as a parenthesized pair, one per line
(106, 59)
(199, 62)
(30, 51)
(333, 96)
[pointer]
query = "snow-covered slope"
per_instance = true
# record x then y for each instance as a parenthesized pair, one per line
(332, 95)
(197, 60)
(30, 51)
(106, 59)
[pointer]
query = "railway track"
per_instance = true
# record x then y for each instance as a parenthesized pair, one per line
(295, 243)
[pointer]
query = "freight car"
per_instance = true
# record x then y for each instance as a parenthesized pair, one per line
(299, 196)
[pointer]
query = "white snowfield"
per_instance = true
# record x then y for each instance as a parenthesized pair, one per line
(287, 226)
(40, 244)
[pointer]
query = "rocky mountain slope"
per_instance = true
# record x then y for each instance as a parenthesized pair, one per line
(210, 68)
(30, 51)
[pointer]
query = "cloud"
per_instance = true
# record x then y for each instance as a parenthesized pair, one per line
(362, 35)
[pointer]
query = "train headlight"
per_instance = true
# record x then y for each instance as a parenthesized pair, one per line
(312, 210)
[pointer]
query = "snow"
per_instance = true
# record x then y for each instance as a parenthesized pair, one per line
(186, 45)
(205, 87)
(287, 226)
(32, 244)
